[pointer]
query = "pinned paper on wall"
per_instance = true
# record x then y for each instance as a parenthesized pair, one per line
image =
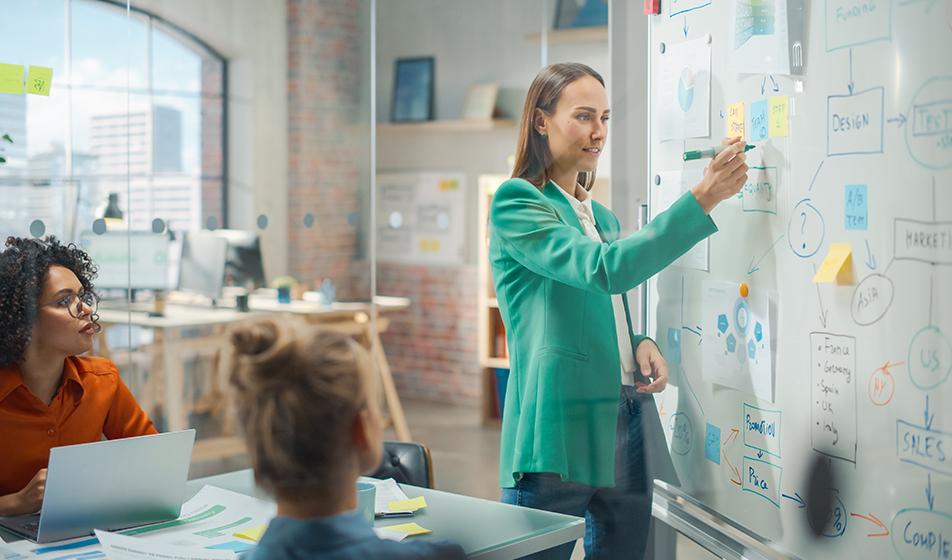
(737, 345)
(837, 266)
(735, 120)
(670, 187)
(759, 120)
(11, 78)
(38, 80)
(683, 91)
(779, 116)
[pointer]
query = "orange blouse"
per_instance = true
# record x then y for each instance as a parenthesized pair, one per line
(92, 402)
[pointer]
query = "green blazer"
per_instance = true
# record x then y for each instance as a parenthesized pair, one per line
(554, 286)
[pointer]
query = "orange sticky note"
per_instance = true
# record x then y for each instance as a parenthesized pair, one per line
(837, 266)
(38, 80)
(409, 529)
(11, 78)
(735, 120)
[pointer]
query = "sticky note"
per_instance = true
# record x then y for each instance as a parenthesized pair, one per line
(758, 120)
(712, 444)
(735, 120)
(253, 534)
(38, 80)
(779, 118)
(837, 266)
(11, 78)
(408, 529)
(412, 504)
(856, 207)
(674, 345)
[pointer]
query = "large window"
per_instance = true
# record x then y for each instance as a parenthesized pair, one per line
(136, 108)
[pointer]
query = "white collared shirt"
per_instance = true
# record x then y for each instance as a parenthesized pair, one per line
(582, 204)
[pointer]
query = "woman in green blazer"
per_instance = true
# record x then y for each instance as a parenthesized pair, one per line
(560, 267)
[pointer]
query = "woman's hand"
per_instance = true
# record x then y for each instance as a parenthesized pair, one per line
(652, 365)
(27, 500)
(724, 177)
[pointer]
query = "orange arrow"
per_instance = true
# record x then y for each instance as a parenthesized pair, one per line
(736, 478)
(730, 438)
(875, 520)
(888, 364)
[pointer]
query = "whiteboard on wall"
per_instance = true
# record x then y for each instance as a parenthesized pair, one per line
(420, 218)
(856, 149)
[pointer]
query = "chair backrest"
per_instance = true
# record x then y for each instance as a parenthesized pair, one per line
(407, 463)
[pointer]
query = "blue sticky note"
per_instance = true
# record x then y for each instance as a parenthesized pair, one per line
(712, 444)
(674, 345)
(759, 121)
(857, 206)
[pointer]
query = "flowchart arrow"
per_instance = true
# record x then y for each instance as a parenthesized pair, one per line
(685, 27)
(901, 119)
(763, 85)
(776, 86)
(796, 498)
(883, 531)
(735, 478)
(824, 313)
(752, 268)
(930, 497)
(927, 417)
(870, 259)
(850, 85)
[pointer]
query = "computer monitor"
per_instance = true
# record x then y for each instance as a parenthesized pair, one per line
(136, 260)
(243, 265)
(202, 266)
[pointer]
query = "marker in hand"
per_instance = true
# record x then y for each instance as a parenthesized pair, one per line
(711, 152)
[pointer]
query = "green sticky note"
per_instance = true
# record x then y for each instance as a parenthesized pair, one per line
(38, 80)
(11, 78)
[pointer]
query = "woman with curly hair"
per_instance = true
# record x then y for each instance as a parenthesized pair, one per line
(50, 395)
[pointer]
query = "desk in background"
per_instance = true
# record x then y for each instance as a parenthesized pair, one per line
(201, 330)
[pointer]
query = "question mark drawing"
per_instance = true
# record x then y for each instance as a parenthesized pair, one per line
(803, 226)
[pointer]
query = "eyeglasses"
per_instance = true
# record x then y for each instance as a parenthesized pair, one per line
(74, 304)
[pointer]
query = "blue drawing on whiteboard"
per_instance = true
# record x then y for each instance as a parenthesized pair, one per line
(806, 230)
(682, 433)
(683, 6)
(929, 128)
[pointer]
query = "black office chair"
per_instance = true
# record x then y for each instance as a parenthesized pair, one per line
(407, 463)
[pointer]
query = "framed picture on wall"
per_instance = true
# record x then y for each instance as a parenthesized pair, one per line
(581, 13)
(412, 90)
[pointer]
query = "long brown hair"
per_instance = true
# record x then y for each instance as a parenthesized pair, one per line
(297, 393)
(533, 156)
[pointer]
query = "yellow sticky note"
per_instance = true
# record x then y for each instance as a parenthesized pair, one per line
(779, 117)
(735, 120)
(412, 504)
(837, 266)
(253, 534)
(11, 78)
(38, 80)
(408, 529)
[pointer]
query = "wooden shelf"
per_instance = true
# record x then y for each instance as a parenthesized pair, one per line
(576, 35)
(460, 125)
(495, 362)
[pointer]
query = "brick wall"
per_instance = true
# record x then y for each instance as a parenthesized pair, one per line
(323, 152)
(432, 347)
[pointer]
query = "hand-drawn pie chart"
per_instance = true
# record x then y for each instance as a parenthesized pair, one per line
(686, 89)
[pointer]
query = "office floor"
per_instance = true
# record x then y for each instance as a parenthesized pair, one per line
(465, 457)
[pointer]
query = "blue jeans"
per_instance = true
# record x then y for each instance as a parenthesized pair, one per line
(616, 519)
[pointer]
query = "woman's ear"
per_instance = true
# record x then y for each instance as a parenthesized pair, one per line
(540, 122)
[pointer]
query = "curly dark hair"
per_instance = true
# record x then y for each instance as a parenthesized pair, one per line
(24, 263)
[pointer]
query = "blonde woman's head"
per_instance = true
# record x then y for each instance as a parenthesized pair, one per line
(308, 406)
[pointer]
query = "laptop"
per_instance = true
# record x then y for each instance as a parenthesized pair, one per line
(109, 485)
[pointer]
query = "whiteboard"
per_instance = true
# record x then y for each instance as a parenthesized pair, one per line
(858, 372)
